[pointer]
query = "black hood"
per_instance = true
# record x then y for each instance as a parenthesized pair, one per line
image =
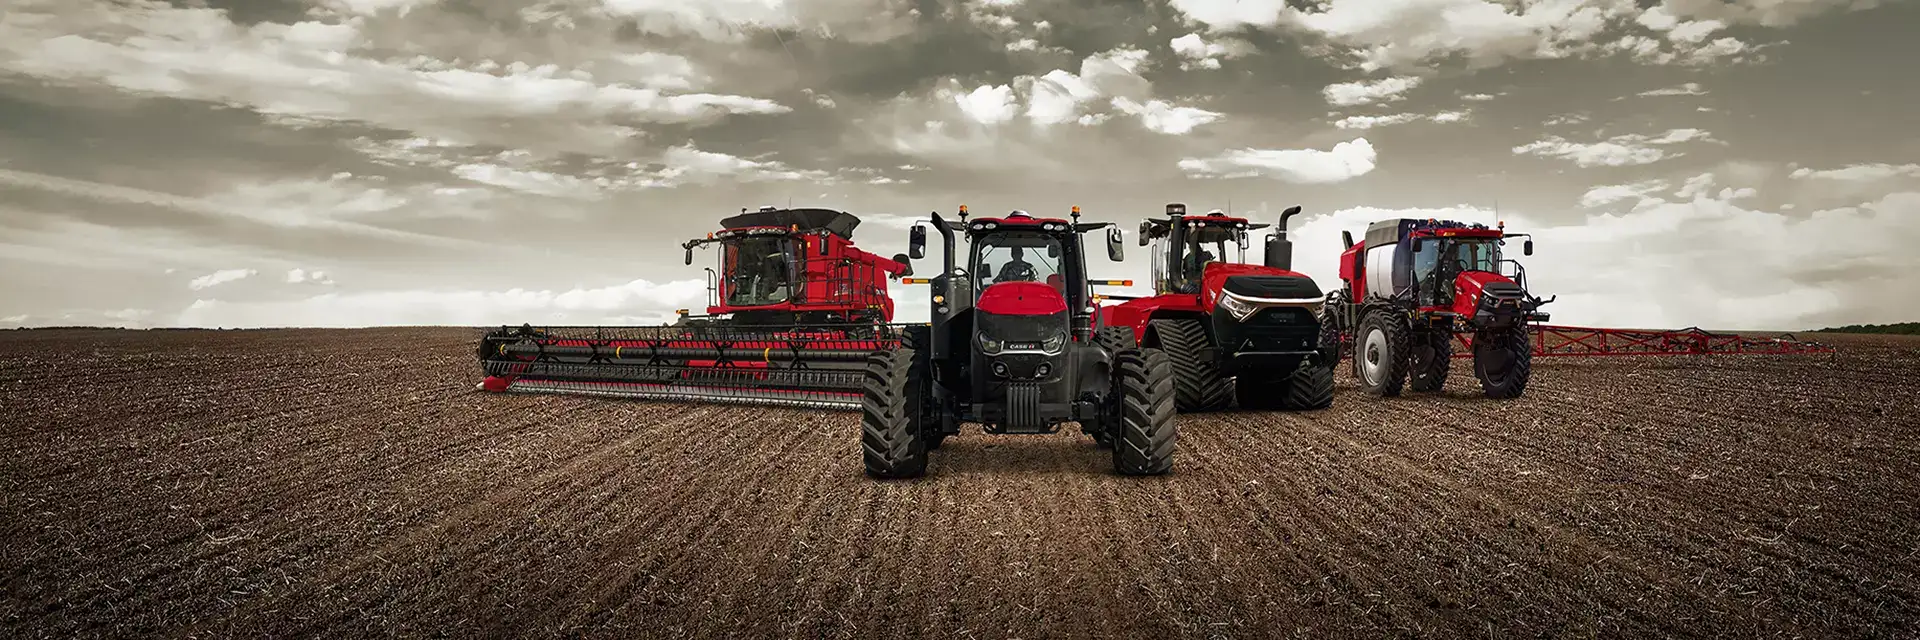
(1273, 286)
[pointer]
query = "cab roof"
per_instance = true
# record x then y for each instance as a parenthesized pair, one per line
(839, 223)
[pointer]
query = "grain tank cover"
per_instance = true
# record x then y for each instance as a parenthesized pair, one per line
(839, 223)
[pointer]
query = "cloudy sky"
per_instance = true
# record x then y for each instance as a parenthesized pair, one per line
(1721, 163)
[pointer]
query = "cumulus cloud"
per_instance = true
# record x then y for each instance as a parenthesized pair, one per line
(220, 277)
(1688, 89)
(1608, 194)
(318, 70)
(1369, 122)
(1196, 52)
(1347, 94)
(1868, 172)
(1347, 160)
(1618, 151)
(303, 276)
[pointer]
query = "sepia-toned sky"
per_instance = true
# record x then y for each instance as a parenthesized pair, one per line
(1739, 164)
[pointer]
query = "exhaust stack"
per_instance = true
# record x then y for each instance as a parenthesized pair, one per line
(1279, 248)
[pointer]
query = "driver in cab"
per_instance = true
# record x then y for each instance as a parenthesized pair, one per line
(1015, 269)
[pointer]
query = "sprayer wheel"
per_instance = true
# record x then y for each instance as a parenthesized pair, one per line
(890, 417)
(1503, 361)
(1432, 359)
(1380, 354)
(1144, 446)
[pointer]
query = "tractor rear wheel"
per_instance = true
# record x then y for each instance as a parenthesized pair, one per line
(1503, 361)
(1380, 354)
(1144, 444)
(1198, 384)
(891, 425)
(1432, 359)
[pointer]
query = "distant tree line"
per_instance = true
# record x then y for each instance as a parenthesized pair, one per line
(1902, 328)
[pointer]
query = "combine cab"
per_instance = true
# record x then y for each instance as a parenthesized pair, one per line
(1231, 329)
(1413, 284)
(794, 310)
(1012, 346)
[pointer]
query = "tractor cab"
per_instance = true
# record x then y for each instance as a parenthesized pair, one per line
(1184, 245)
(787, 266)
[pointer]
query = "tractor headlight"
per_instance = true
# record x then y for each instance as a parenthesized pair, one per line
(1234, 305)
(1054, 343)
(989, 345)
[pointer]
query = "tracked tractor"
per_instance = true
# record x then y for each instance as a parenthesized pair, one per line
(1232, 330)
(1011, 346)
(1412, 285)
(793, 311)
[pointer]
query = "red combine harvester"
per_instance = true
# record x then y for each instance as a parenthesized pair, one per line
(1412, 285)
(795, 309)
(1012, 346)
(1232, 330)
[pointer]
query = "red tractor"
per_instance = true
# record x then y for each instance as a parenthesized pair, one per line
(1011, 346)
(786, 267)
(1232, 330)
(1413, 284)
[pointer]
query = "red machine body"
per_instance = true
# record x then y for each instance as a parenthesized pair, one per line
(1230, 327)
(797, 266)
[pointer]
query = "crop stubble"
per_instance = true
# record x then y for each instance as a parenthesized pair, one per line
(333, 482)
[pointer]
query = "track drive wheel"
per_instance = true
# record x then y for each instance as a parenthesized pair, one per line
(1198, 384)
(1503, 361)
(1144, 445)
(1380, 353)
(1432, 359)
(891, 424)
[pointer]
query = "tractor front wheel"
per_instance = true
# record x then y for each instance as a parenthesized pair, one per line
(1503, 361)
(1432, 359)
(1144, 443)
(1380, 353)
(891, 426)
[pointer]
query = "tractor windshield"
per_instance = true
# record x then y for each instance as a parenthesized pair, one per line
(1017, 256)
(1474, 254)
(1203, 243)
(757, 271)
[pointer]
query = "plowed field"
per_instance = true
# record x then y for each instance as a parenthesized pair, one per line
(352, 483)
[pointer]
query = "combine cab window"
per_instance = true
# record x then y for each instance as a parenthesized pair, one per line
(1017, 256)
(758, 271)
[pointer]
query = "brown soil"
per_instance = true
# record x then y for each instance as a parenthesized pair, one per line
(352, 483)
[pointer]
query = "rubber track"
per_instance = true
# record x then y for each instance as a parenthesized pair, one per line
(1310, 387)
(1198, 385)
(1147, 430)
(887, 438)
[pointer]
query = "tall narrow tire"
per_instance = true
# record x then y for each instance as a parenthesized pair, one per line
(1145, 443)
(1310, 387)
(1432, 360)
(1198, 384)
(1503, 361)
(1380, 353)
(890, 417)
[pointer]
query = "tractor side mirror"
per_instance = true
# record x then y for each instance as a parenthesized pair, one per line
(1116, 250)
(1347, 237)
(1527, 248)
(1145, 228)
(689, 256)
(917, 242)
(902, 259)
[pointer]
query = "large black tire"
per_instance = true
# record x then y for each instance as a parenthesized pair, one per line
(1113, 339)
(1432, 360)
(1310, 387)
(1198, 384)
(1380, 353)
(1503, 361)
(1144, 380)
(890, 417)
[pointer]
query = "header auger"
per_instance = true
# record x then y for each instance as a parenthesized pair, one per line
(1012, 346)
(793, 312)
